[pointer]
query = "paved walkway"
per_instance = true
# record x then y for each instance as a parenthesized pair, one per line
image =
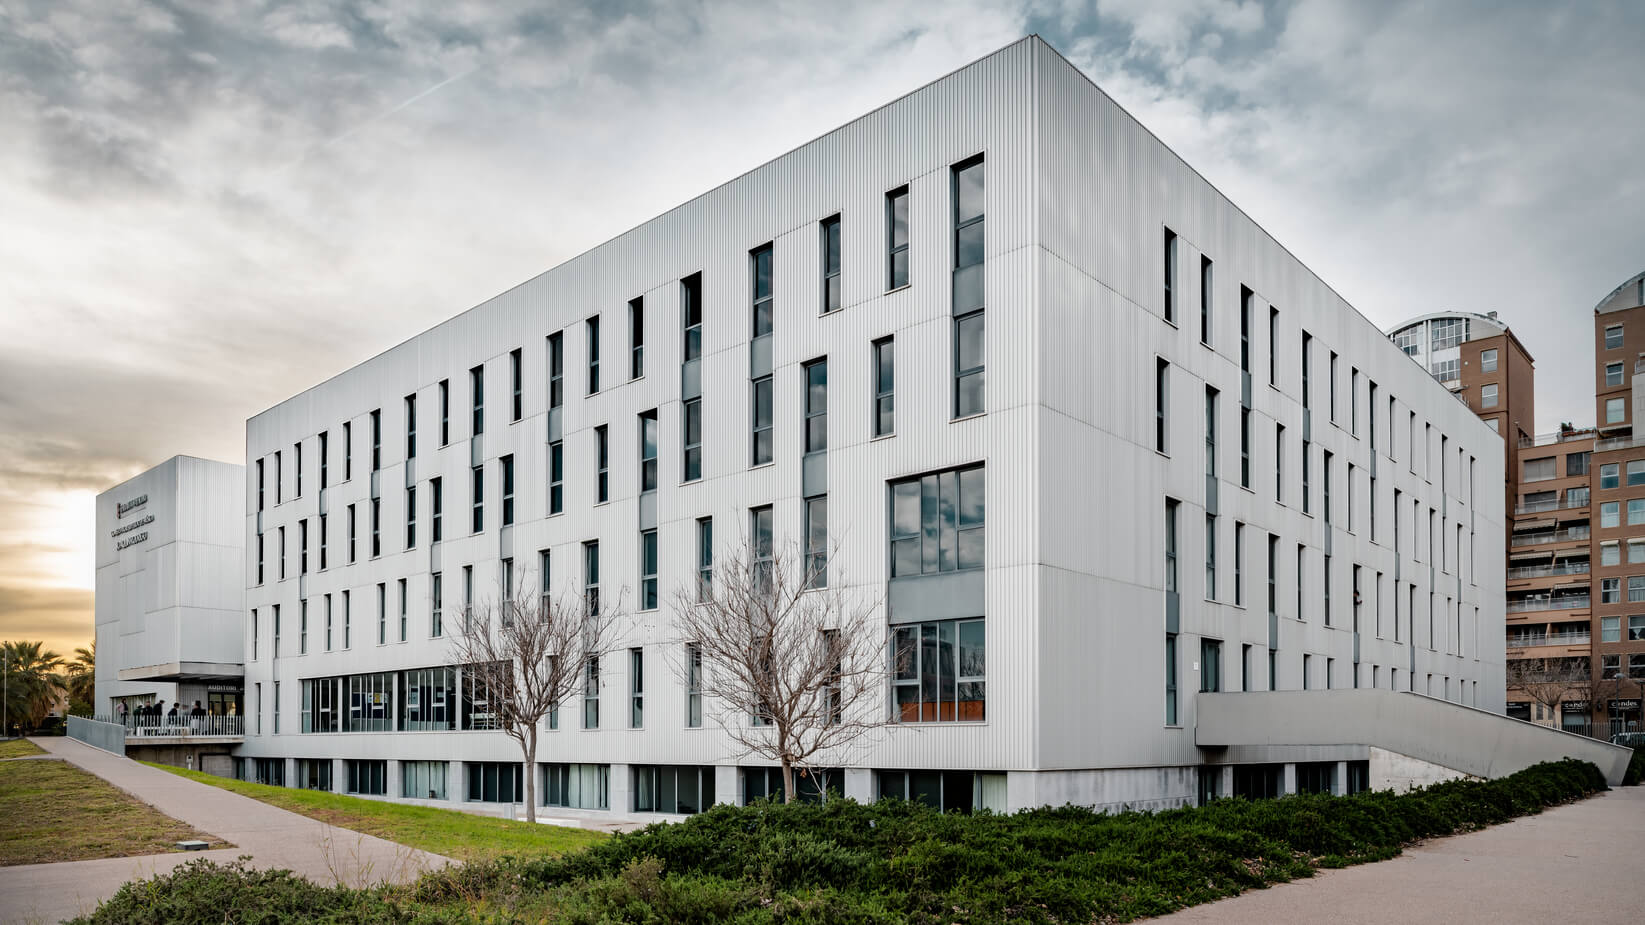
(273, 837)
(1579, 863)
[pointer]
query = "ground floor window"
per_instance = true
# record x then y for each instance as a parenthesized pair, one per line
(948, 791)
(673, 789)
(1210, 784)
(1359, 777)
(495, 782)
(423, 780)
(577, 786)
(314, 773)
(271, 771)
(1258, 781)
(811, 785)
(367, 777)
(939, 671)
(1316, 777)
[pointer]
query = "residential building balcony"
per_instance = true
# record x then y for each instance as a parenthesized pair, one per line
(1548, 602)
(1549, 536)
(1557, 504)
(1523, 640)
(1548, 571)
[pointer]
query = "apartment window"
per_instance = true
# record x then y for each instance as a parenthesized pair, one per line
(1170, 264)
(277, 477)
(1210, 432)
(602, 465)
(1613, 337)
(1205, 300)
(411, 426)
(1279, 463)
(831, 264)
(436, 608)
(297, 458)
(692, 449)
(937, 522)
(556, 477)
(1325, 490)
(691, 295)
(762, 438)
(1307, 476)
(591, 693)
(1273, 575)
(1610, 590)
(885, 385)
(1245, 667)
(1610, 629)
(506, 465)
(764, 305)
(1636, 589)
(896, 236)
(816, 542)
(1273, 346)
(1488, 396)
(1210, 665)
(1636, 551)
(1610, 553)
(445, 411)
(1210, 557)
(1576, 464)
(636, 338)
(411, 523)
(1170, 679)
(282, 553)
(1331, 385)
(592, 328)
(648, 450)
(968, 296)
(324, 542)
(816, 406)
(577, 786)
(543, 582)
(1245, 329)
(1307, 669)
(556, 370)
(648, 570)
(302, 547)
(1239, 564)
(260, 556)
(1353, 401)
(476, 481)
(255, 636)
(591, 576)
(468, 596)
(436, 508)
(1171, 586)
(939, 671)
(1610, 667)
(348, 621)
(259, 484)
(376, 440)
(705, 558)
(1350, 501)
(636, 688)
(476, 385)
(403, 610)
(1609, 513)
(351, 532)
(1636, 628)
(693, 685)
(515, 385)
(760, 530)
(1615, 410)
(1162, 404)
(1487, 360)
(382, 613)
(1245, 447)
(1307, 370)
(1636, 511)
(1609, 475)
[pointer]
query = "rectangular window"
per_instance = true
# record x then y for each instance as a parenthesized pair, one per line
(376, 527)
(1273, 346)
(1210, 665)
(277, 477)
(816, 542)
(1331, 385)
(1609, 513)
(516, 382)
(1613, 337)
(1610, 590)
(260, 556)
(937, 522)
(351, 532)
(1239, 564)
(968, 292)
(1353, 401)
(591, 576)
(896, 236)
(436, 508)
(556, 477)
(367, 777)
(445, 411)
(648, 450)
(762, 285)
(324, 537)
(556, 370)
(476, 480)
(602, 465)
(1609, 475)
(670, 789)
(1273, 575)
(693, 685)
(436, 608)
(1307, 476)
(477, 391)
(468, 596)
(592, 329)
(705, 558)
(1576, 463)
(636, 338)
(636, 688)
(885, 387)
(1325, 488)
(1205, 322)
(1610, 553)
(422, 780)
(302, 547)
(1307, 370)
(403, 611)
(1210, 557)
(692, 447)
(1162, 406)
(1636, 628)
(1170, 679)
(276, 630)
(591, 693)
(297, 459)
(1636, 471)
(1210, 432)
(1279, 463)
(1245, 329)
(1488, 396)
(816, 406)
(1171, 585)
(691, 299)
(760, 530)
(648, 570)
(255, 636)
(939, 671)
(831, 264)
(282, 553)
(1636, 511)
(1170, 264)
(411, 426)
(1615, 410)
(543, 582)
(1610, 629)
(1245, 447)
(763, 442)
(1487, 360)
(411, 520)
(259, 484)
(577, 786)
(506, 465)
(1245, 667)
(348, 621)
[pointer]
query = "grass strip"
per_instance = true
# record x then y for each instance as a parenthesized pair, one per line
(454, 834)
(19, 748)
(52, 811)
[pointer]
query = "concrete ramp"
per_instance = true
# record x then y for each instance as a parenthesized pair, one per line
(1464, 739)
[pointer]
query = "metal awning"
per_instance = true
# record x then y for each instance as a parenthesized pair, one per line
(1536, 554)
(1537, 524)
(1571, 553)
(185, 671)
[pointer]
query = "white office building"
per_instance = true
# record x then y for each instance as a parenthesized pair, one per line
(1061, 404)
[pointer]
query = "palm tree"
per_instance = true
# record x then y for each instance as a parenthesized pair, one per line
(80, 679)
(31, 683)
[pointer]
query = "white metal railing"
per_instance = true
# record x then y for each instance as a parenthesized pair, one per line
(1551, 536)
(1524, 640)
(1538, 507)
(1566, 436)
(110, 737)
(1544, 602)
(1618, 443)
(179, 726)
(1543, 571)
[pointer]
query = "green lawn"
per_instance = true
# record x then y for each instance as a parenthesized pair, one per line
(459, 835)
(17, 748)
(53, 811)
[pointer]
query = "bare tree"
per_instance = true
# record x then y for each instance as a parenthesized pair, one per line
(791, 667)
(525, 655)
(1614, 684)
(1549, 681)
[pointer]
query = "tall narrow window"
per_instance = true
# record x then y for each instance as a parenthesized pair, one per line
(1171, 546)
(377, 440)
(477, 391)
(591, 576)
(468, 596)
(648, 450)
(1307, 460)
(693, 685)
(1210, 665)
(1273, 346)
(348, 451)
(556, 477)
(592, 329)
(602, 463)
(1210, 557)
(516, 384)
(382, 613)
(691, 294)
(1279, 463)
(763, 442)
(376, 527)
(762, 284)
(692, 447)
(1162, 405)
(1245, 447)
(297, 459)
(648, 570)
(505, 465)
(436, 609)
(1210, 432)
(1307, 370)
(411, 426)
(816, 406)
(445, 411)
(259, 485)
(1170, 264)
(556, 370)
(760, 534)
(544, 584)
(1170, 679)
(348, 621)
(885, 387)
(1205, 320)
(351, 532)
(477, 485)
(636, 338)
(277, 475)
(1353, 400)
(636, 688)
(1239, 564)
(302, 547)
(591, 693)
(831, 264)
(816, 542)
(1331, 385)
(403, 613)
(436, 504)
(896, 236)
(968, 296)
(1245, 329)
(1325, 486)
(324, 536)
(327, 618)
(411, 522)
(705, 558)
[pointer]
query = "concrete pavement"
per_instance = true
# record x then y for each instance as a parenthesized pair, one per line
(273, 837)
(1584, 862)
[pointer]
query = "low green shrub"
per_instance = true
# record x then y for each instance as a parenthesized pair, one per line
(888, 862)
(1635, 775)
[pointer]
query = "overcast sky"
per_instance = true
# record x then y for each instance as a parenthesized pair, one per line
(206, 206)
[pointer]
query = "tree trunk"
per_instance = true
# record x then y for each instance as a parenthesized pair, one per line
(788, 780)
(529, 746)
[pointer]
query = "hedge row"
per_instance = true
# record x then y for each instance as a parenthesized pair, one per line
(888, 862)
